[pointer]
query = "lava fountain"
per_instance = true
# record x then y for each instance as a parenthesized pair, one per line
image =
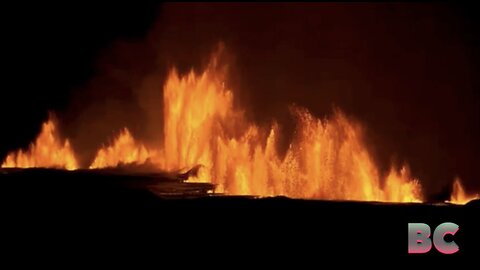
(459, 196)
(47, 151)
(327, 158)
(123, 150)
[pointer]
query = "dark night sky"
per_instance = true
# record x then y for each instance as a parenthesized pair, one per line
(408, 72)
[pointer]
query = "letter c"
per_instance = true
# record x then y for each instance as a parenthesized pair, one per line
(439, 238)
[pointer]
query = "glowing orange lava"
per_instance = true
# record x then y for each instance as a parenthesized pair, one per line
(327, 159)
(459, 196)
(124, 150)
(47, 151)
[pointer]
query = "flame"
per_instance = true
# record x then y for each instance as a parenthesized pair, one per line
(458, 195)
(124, 150)
(327, 159)
(47, 151)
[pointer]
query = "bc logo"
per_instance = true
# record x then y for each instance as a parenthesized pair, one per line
(419, 238)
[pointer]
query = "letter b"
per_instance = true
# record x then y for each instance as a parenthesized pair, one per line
(418, 238)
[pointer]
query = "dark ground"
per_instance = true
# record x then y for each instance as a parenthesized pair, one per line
(82, 214)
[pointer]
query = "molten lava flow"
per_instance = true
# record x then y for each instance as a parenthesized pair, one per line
(47, 151)
(327, 159)
(458, 195)
(195, 107)
(211, 140)
(124, 150)
(400, 188)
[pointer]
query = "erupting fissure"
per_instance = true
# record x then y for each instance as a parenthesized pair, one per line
(326, 159)
(47, 151)
(459, 196)
(124, 150)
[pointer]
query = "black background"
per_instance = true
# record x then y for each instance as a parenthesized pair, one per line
(66, 217)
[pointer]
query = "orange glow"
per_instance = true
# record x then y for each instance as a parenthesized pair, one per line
(458, 195)
(327, 159)
(124, 150)
(47, 151)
